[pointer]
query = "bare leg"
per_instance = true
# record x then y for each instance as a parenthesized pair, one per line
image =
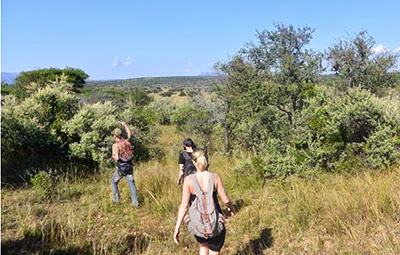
(203, 249)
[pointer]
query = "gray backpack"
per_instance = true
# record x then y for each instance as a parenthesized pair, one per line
(205, 220)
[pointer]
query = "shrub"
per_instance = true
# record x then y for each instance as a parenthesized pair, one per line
(382, 149)
(32, 135)
(338, 128)
(336, 131)
(144, 131)
(43, 184)
(195, 119)
(164, 109)
(167, 93)
(90, 131)
(139, 97)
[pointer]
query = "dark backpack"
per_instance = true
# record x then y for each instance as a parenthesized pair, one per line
(188, 167)
(204, 219)
(126, 156)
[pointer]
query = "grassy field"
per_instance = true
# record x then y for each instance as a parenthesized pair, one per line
(323, 214)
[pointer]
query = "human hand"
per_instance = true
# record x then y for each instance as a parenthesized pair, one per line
(123, 123)
(231, 212)
(176, 236)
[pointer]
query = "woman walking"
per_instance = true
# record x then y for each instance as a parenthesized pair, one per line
(186, 166)
(200, 194)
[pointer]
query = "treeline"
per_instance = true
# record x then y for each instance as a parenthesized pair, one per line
(156, 84)
(274, 102)
(271, 100)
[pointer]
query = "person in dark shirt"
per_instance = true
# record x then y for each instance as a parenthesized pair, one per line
(189, 147)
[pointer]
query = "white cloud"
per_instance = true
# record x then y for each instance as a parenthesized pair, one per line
(397, 50)
(128, 61)
(379, 49)
(115, 61)
(188, 66)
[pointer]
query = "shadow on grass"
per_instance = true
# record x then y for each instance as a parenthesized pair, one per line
(34, 244)
(136, 243)
(257, 246)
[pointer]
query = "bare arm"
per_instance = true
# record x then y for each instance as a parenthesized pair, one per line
(223, 195)
(128, 131)
(115, 155)
(182, 208)
(180, 173)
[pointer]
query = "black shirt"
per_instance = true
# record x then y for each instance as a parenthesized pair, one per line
(182, 159)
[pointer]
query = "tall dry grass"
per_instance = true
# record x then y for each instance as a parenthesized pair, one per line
(324, 214)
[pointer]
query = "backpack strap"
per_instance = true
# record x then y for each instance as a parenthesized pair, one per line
(211, 181)
(197, 188)
(186, 156)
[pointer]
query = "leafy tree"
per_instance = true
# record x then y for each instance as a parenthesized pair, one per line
(234, 94)
(289, 70)
(41, 77)
(354, 60)
(6, 89)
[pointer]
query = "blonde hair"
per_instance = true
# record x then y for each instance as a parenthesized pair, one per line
(199, 157)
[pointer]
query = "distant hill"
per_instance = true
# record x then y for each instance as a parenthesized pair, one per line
(8, 77)
(208, 74)
(152, 82)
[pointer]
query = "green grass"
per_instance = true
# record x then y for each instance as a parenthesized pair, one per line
(323, 214)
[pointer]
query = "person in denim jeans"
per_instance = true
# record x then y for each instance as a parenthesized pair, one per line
(117, 176)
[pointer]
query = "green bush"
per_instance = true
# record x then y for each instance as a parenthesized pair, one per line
(144, 131)
(355, 126)
(164, 109)
(43, 185)
(32, 135)
(348, 131)
(382, 149)
(196, 120)
(90, 132)
(168, 93)
(140, 97)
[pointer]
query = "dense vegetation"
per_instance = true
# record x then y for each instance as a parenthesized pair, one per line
(322, 214)
(29, 81)
(274, 127)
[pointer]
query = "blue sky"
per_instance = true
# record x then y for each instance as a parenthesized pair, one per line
(126, 39)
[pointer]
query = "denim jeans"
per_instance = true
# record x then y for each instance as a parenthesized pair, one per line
(114, 184)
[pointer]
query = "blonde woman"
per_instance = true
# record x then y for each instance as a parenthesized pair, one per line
(202, 179)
